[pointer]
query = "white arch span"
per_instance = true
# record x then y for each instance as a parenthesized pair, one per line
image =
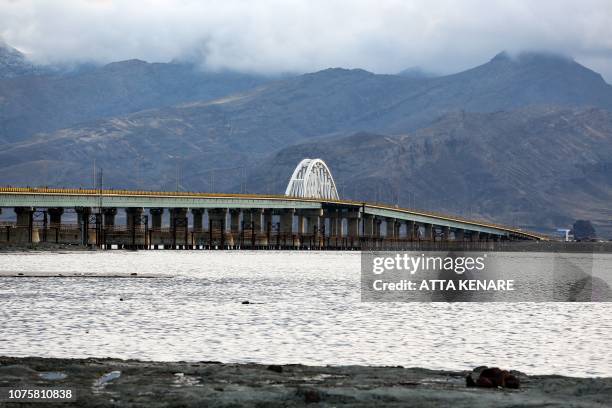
(312, 179)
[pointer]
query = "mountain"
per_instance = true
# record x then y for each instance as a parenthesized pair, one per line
(308, 105)
(539, 168)
(13, 63)
(173, 132)
(505, 82)
(45, 103)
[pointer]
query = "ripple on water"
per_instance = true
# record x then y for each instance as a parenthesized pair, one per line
(307, 310)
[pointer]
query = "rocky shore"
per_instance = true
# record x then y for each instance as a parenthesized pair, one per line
(130, 383)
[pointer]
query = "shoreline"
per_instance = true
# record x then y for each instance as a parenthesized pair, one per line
(156, 384)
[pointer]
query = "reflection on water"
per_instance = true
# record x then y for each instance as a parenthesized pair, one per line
(306, 309)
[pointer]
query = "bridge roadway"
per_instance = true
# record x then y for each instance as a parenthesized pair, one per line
(234, 220)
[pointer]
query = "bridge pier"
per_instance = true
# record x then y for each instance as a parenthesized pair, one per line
(155, 235)
(179, 224)
(235, 227)
(459, 235)
(268, 228)
(55, 224)
(312, 218)
(83, 221)
(109, 214)
(133, 218)
(286, 228)
(24, 231)
(335, 229)
(217, 219)
(55, 216)
(248, 229)
(353, 229)
(258, 239)
(302, 228)
(368, 226)
(445, 233)
(390, 228)
(410, 230)
(197, 231)
(429, 232)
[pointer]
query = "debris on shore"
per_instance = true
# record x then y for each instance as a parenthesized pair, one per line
(493, 377)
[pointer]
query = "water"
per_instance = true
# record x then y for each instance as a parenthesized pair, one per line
(307, 310)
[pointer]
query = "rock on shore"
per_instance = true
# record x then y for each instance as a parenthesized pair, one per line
(130, 383)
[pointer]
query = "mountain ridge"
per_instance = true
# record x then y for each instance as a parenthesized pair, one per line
(208, 143)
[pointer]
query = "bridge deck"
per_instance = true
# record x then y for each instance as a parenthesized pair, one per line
(55, 197)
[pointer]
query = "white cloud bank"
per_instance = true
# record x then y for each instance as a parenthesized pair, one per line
(297, 36)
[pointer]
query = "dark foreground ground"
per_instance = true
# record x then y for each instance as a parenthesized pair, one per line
(182, 384)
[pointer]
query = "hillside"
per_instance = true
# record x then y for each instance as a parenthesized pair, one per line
(44, 103)
(537, 168)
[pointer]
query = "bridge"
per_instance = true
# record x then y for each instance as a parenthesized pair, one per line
(310, 215)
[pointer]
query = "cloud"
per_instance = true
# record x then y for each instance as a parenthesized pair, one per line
(297, 36)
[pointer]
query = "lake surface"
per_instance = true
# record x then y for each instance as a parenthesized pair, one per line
(307, 309)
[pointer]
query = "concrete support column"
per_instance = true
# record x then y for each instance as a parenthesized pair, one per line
(377, 222)
(286, 221)
(24, 215)
(218, 216)
(410, 230)
(133, 217)
(257, 214)
(311, 220)
(179, 231)
(55, 216)
(109, 216)
(475, 236)
(24, 220)
(156, 218)
(459, 235)
(339, 219)
(331, 222)
(368, 225)
(429, 232)
(267, 220)
(314, 222)
(82, 215)
(235, 221)
(391, 230)
(156, 237)
(253, 216)
(445, 233)
(198, 215)
(301, 226)
(179, 214)
(353, 227)
(83, 221)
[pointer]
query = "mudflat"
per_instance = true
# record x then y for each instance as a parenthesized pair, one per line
(131, 383)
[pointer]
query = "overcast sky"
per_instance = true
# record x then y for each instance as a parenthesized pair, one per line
(382, 36)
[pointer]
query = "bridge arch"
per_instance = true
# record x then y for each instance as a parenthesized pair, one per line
(312, 179)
